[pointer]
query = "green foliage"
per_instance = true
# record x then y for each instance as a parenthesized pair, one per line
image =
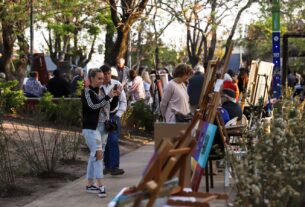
(47, 108)
(64, 112)
(139, 116)
(104, 18)
(69, 113)
(10, 100)
(166, 55)
(272, 172)
(79, 88)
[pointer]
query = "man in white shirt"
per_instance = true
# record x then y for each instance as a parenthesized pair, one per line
(118, 106)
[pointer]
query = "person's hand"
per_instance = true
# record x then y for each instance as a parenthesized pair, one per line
(115, 92)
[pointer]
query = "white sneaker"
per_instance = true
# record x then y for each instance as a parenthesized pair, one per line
(102, 192)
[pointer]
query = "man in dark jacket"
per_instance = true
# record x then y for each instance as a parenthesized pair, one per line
(57, 85)
(194, 88)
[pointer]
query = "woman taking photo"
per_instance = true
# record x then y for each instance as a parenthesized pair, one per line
(175, 98)
(93, 131)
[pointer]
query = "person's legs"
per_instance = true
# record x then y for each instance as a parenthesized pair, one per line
(90, 141)
(95, 163)
(112, 150)
(107, 156)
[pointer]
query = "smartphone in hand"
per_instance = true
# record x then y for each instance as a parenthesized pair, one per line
(115, 87)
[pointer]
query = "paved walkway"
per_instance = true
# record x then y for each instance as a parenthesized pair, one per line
(74, 195)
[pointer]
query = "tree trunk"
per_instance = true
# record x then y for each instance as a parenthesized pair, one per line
(211, 49)
(121, 43)
(8, 44)
(21, 68)
(109, 45)
(139, 47)
(237, 18)
(119, 48)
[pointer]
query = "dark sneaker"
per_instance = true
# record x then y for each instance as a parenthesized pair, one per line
(106, 171)
(102, 192)
(117, 171)
(92, 189)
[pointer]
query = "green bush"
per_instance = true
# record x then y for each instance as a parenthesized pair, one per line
(139, 116)
(47, 109)
(10, 100)
(64, 112)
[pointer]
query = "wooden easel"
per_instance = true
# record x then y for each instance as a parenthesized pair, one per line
(209, 107)
(170, 157)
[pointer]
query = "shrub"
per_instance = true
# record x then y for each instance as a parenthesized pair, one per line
(273, 171)
(64, 112)
(47, 109)
(41, 152)
(7, 170)
(10, 100)
(139, 116)
(70, 145)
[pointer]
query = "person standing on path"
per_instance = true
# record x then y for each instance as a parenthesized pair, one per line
(118, 106)
(94, 133)
(175, 98)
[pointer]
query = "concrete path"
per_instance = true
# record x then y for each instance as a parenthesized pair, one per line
(74, 195)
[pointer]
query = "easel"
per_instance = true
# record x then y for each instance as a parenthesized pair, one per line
(170, 157)
(209, 106)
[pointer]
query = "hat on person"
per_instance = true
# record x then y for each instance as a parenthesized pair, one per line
(227, 77)
(229, 89)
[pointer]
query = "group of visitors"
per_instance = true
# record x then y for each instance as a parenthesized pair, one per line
(106, 96)
(182, 94)
(57, 85)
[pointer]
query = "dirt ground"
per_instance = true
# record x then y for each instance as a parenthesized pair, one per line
(31, 187)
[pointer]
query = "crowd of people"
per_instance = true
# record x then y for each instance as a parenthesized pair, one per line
(109, 91)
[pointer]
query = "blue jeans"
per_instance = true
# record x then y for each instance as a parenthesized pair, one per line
(112, 151)
(96, 140)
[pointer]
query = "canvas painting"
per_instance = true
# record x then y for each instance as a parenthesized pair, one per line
(204, 145)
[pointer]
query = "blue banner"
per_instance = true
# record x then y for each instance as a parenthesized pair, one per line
(276, 50)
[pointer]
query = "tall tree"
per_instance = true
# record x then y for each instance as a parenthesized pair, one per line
(124, 13)
(14, 19)
(71, 25)
(203, 20)
(149, 30)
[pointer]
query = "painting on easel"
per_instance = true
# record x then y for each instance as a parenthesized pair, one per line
(259, 82)
(204, 145)
(202, 151)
